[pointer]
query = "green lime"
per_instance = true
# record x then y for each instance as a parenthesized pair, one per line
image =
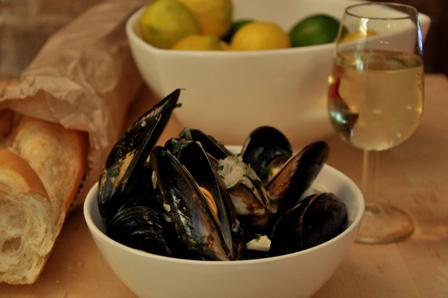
(164, 22)
(235, 26)
(314, 30)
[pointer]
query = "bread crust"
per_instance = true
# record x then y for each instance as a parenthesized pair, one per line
(20, 181)
(56, 154)
(13, 163)
(51, 160)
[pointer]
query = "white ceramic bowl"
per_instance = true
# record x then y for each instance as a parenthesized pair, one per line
(298, 274)
(229, 93)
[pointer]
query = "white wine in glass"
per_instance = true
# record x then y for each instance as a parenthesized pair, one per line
(375, 98)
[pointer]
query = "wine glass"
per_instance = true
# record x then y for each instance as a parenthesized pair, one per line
(375, 98)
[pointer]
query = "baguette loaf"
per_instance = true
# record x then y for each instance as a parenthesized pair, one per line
(40, 172)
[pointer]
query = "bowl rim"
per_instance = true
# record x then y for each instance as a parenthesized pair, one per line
(95, 230)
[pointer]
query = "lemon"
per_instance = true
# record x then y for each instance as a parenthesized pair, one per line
(314, 30)
(200, 43)
(234, 27)
(164, 22)
(358, 35)
(214, 16)
(260, 35)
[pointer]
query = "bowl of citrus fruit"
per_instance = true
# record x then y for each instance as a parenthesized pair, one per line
(242, 63)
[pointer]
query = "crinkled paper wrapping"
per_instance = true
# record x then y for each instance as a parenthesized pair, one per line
(83, 78)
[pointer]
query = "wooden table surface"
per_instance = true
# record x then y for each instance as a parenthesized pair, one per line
(413, 176)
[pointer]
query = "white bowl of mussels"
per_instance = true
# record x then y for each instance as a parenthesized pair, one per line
(193, 218)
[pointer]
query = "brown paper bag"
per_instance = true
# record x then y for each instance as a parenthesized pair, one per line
(83, 78)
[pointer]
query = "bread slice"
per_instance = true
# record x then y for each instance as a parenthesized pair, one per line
(48, 163)
(57, 155)
(25, 233)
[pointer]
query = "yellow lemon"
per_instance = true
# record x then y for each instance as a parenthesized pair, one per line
(358, 35)
(214, 16)
(164, 22)
(234, 27)
(260, 35)
(200, 43)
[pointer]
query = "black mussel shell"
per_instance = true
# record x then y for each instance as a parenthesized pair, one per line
(190, 214)
(266, 150)
(176, 145)
(246, 190)
(141, 191)
(142, 228)
(196, 161)
(296, 176)
(314, 220)
(247, 254)
(251, 202)
(130, 152)
(210, 144)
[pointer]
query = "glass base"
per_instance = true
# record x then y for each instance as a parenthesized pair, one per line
(383, 224)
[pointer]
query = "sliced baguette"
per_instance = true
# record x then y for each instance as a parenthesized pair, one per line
(57, 157)
(25, 233)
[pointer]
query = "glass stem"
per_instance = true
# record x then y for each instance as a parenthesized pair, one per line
(370, 175)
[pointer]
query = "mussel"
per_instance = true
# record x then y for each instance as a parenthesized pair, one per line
(130, 152)
(266, 150)
(141, 227)
(296, 176)
(209, 143)
(314, 220)
(246, 190)
(190, 212)
(197, 162)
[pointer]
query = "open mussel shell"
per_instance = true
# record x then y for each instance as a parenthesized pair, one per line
(251, 202)
(246, 191)
(266, 150)
(140, 191)
(188, 209)
(141, 227)
(176, 145)
(197, 162)
(130, 152)
(314, 220)
(210, 144)
(296, 176)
